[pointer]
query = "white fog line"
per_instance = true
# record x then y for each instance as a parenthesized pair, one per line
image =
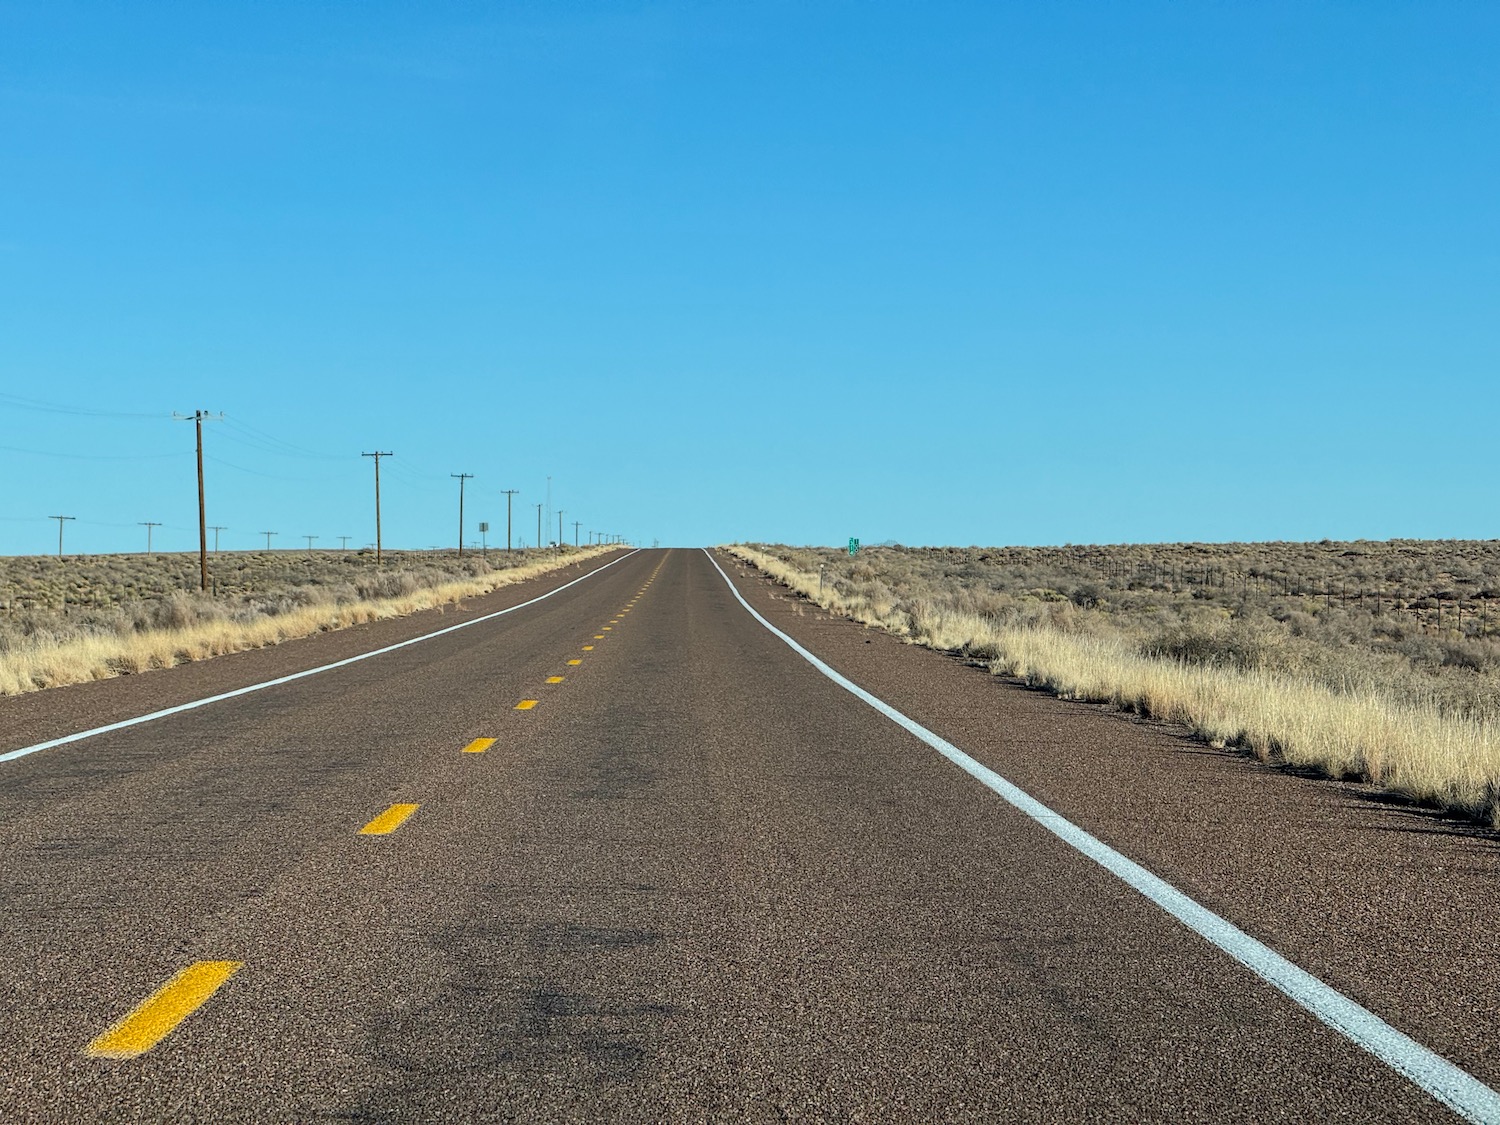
(196, 703)
(1454, 1087)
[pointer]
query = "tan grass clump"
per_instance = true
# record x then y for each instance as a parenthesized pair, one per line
(43, 661)
(1420, 749)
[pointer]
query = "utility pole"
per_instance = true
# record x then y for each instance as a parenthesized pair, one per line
(268, 535)
(148, 525)
(60, 521)
(461, 478)
(216, 528)
(509, 492)
(343, 542)
(549, 509)
(559, 530)
(538, 527)
(309, 539)
(198, 417)
(576, 525)
(377, 457)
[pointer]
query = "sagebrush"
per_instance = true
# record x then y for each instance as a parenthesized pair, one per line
(1377, 661)
(68, 620)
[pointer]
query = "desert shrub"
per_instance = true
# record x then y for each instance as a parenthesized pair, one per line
(1375, 624)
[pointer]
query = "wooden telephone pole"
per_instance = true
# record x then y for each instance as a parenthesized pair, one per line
(377, 457)
(60, 521)
(509, 492)
(461, 478)
(198, 417)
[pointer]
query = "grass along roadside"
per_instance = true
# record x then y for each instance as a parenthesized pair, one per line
(52, 657)
(1421, 750)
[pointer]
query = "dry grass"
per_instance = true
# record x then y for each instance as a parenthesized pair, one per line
(1247, 680)
(73, 620)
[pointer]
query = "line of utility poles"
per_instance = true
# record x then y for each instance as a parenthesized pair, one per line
(461, 478)
(198, 417)
(509, 493)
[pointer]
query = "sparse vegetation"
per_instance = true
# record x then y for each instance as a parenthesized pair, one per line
(1376, 661)
(70, 620)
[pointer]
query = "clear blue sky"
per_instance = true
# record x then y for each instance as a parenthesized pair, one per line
(932, 272)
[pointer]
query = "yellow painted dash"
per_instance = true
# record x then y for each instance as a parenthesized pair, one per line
(155, 1017)
(388, 821)
(526, 705)
(588, 648)
(554, 679)
(479, 746)
(598, 636)
(575, 663)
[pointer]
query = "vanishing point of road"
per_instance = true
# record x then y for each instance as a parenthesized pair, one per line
(606, 847)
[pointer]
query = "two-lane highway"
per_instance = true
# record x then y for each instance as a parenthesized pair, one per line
(620, 854)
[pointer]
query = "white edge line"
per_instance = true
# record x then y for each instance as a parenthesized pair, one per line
(1449, 1084)
(10, 755)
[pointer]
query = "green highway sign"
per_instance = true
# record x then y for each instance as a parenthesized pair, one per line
(853, 546)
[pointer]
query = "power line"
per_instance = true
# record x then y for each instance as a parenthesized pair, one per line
(254, 472)
(247, 434)
(57, 408)
(94, 456)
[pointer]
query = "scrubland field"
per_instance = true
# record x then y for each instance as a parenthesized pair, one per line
(67, 620)
(1378, 661)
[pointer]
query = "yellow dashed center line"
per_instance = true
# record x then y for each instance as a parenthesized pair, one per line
(597, 637)
(388, 821)
(588, 648)
(479, 746)
(554, 679)
(526, 705)
(155, 1017)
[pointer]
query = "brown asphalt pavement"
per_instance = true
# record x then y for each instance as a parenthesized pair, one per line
(698, 881)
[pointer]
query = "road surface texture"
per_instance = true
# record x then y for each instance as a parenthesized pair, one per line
(693, 880)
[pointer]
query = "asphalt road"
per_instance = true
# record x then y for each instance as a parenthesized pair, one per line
(696, 881)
